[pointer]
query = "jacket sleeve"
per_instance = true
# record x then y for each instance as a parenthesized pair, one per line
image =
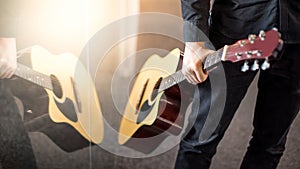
(195, 14)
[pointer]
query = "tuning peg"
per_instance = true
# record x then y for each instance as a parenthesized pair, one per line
(255, 65)
(249, 54)
(280, 45)
(275, 54)
(275, 29)
(262, 35)
(279, 34)
(265, 65)
(245, 67)
(238, 55)
(258, 54)
(242, 43)
(252, 38)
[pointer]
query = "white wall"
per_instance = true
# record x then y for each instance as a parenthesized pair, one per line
(65, 25)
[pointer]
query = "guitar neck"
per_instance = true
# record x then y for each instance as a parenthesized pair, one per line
(211, 61)
(34, 76)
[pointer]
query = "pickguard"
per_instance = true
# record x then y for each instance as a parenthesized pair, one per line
(144, 112)
(68, 109)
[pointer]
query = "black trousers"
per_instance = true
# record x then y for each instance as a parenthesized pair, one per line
(15, 146)
(278, 102)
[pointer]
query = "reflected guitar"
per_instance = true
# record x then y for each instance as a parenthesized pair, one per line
(72, 97)
(160, 94)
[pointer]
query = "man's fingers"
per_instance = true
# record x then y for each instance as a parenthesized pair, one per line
(192, 79)
(200, 74)
(201, 77)
(194, 54)
(6, 72)
(9, 73)
(2, 70)
(191, 76)
(194, 73)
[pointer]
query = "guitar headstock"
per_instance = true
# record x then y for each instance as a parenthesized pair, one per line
(257, 48)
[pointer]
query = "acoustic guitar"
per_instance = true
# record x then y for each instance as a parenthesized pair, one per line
(72, 97)
(160, 94)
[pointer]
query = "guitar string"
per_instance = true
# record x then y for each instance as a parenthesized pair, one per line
(36, 77)
(28, 50)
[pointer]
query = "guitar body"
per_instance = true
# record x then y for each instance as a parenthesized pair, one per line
(73, 100)
(149, 116)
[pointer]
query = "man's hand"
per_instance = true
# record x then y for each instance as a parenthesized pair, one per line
(8, 57)
(194, 54)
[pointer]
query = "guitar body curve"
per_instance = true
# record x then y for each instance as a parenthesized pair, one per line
(164, 116)
(78, 104)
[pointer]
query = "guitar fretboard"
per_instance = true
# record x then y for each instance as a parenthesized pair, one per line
(34, 76)
(211, 61)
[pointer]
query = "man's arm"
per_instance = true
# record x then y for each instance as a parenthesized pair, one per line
(195, 31)
(8, 57)
(195, 14)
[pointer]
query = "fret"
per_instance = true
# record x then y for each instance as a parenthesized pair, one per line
(207, 61)
(171, 80)
(33, 76)
(213, 59)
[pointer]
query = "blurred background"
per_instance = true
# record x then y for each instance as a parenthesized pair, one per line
(68, 26)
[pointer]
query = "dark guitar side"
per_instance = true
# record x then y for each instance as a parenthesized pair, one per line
(170, 118)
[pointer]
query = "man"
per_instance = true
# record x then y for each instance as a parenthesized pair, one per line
(15, 147)
(278, 98)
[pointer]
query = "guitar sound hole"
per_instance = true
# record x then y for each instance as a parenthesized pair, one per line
(155, 89)
(57, 90)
